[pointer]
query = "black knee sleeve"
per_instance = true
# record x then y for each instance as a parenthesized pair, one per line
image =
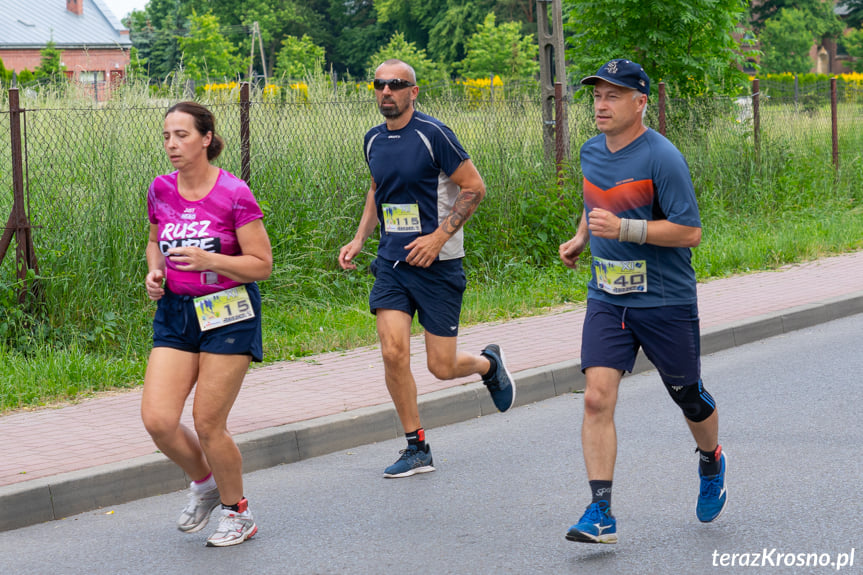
(695, 402)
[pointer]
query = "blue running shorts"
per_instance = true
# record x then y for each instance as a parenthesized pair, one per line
(669, 335)
(433, 293)
(176, 326)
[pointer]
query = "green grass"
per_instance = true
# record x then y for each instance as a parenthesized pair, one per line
(89, 170)
(53, 375)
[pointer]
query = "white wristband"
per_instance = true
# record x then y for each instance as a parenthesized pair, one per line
(634, 231)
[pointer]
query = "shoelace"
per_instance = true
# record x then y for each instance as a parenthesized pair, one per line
(595, 513)
(408, 453)
(230, 522)
(194, 500)
(711, 487)
(494, 382)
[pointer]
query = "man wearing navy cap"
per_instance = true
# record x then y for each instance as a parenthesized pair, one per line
(641, 219)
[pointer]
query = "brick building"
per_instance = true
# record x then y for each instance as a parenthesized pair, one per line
(94, 44)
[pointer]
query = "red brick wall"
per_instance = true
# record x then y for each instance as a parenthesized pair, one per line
(111, 62)
(74, 60)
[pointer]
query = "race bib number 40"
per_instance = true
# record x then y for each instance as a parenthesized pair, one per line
(618, 278)
(223, 308)
(401, 218)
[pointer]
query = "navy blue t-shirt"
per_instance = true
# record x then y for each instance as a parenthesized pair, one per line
(647, 180)
(411, 169)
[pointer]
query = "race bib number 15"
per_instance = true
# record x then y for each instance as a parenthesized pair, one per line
(616, 277)
(223, 308)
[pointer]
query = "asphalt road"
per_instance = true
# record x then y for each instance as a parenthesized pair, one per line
(509, 485)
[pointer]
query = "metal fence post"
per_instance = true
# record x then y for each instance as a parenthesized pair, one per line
(245, 135)
(552, 65)
(834, 121)
(756, 113)
(796, 89)
(18, 223)
(560, 134)
(662, 108)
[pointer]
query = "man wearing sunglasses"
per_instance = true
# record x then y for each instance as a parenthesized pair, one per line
(423, 189)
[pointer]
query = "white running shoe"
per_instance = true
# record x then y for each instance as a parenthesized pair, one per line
(197, 512)
(234, 527)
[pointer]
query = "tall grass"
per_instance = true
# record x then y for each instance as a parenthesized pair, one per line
(89, 168)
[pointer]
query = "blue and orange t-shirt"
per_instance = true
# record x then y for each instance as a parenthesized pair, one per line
(647, 180)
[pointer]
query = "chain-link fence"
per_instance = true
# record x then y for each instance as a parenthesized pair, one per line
(87, 171)
(5, 166)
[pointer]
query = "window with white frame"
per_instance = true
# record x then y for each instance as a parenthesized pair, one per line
(91, 77)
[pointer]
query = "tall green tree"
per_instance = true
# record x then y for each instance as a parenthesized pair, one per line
(164, 54)
(690, 44)
(50, 68)
(168, 14)
(5, 75)
(783, 21)
(412, 19)
(853, 17)
(448, 36)
(356, 33)
(853, 42)
(443, 26)
(154, 32)
(821, 16)
(350, 31)
(299, 57)
(500, 50)
(137, 65)
(517, 11)
(427, 71)
(276, 20)
(785, 43)
(206, 51)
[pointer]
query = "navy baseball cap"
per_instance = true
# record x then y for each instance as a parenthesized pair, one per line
(624, 73)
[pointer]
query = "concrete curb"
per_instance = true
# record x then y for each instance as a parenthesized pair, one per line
(76, 492)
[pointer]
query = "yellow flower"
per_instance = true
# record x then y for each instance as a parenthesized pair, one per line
(301, 91)
(479, 89)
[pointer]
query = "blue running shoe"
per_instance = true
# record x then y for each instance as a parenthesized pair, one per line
(597, 525)
(501, 386)
(411, 462)
(712, 497)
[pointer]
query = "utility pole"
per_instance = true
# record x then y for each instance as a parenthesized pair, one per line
(552, 69)
(256, 33)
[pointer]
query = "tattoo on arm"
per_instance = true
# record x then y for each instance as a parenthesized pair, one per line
(465, 205)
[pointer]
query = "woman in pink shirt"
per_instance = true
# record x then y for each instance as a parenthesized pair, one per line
(207, 248)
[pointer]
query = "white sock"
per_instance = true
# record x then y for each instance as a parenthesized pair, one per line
(208, 484)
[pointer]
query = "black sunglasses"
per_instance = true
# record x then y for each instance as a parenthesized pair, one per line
(394, 84)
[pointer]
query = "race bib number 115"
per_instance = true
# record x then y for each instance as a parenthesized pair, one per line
(401, 218)
(616, 277)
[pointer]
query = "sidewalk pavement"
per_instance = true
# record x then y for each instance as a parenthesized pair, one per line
(96, 453)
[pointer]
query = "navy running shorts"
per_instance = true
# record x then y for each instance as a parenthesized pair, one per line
(669, 335)
(433, 293)
(176, 326)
